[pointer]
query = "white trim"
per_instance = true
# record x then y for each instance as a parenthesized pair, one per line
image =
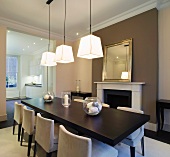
(125, 15)
(151, 126)
(28, 29)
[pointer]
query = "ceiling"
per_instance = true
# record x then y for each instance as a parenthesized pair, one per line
(24, 44)
(33, 14)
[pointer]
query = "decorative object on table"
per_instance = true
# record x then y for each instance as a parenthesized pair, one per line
(90, 46)
(92, 105)
(66, 99)
(48, 96)
(48, 59)
(64, 53)
(77, 86)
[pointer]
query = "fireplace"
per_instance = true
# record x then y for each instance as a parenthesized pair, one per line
(135, 88)
(117, 98)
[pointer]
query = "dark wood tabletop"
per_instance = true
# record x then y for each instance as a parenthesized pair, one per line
(110, 126)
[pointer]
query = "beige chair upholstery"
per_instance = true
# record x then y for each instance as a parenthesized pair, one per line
(79, 100)
(28, 124)
(105, 105)
(46, 134)
(137, 136)
(71, 145)
(18, 114)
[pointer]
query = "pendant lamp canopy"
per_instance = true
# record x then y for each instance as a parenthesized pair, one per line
(64, 53)
(90, 46)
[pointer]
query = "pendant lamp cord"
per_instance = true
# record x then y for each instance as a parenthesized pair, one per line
(48, 46)
(49, 30)
(65, 23)
(90, 16)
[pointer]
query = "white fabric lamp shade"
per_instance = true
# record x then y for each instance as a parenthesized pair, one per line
(124, 75)
(48, 59)
(90, 47)
(64, 54)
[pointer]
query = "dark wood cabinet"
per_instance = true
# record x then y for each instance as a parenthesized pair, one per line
(80, 94)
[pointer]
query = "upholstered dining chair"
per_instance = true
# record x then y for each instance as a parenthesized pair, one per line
(137, 136)
(71, 145)
(46, 135)
(81, 100)
(18, 113)
(28, 125)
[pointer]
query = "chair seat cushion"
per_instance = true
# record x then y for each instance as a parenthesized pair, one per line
(100, 149)
(134, 134)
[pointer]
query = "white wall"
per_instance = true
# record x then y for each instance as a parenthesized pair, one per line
(24, 73)
(164, 57)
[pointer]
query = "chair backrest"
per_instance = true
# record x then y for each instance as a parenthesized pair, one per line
(44, 132)
(105, 105)
(130, 110)
(79, 100)
(28, 121)
(71, 145)
(18, 112)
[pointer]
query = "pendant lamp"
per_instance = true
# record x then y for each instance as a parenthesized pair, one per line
(64, 53)
(48, 58)
(90, 46)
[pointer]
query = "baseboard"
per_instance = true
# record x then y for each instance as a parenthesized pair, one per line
(151, 126)
(3, 118)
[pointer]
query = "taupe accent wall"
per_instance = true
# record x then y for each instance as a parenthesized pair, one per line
(143, 29)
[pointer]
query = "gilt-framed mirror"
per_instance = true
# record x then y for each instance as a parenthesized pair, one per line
(117, 64)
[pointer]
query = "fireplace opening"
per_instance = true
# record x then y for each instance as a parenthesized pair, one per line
(117, 98)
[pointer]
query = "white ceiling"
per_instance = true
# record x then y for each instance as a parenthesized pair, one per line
(33, 14)
(24, 44)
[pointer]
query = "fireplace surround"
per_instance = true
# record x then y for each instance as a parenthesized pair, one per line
(134, 87)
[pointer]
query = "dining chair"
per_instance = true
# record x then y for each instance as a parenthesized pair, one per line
(81, 100)
(137, 136)
(46, 135)
(18, 113)
(71, 145)
(28, 125)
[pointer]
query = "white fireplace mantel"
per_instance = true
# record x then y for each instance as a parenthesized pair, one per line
(135, 87)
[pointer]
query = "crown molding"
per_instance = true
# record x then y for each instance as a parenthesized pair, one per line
(125, 15)
(28, 29)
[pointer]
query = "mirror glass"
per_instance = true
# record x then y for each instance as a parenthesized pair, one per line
(118, 61)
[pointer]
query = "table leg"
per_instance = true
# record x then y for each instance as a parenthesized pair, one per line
(162, 117)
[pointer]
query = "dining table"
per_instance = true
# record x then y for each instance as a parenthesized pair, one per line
(110, 126)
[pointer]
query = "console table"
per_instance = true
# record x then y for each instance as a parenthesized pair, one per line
(160, 106)
(80, 94)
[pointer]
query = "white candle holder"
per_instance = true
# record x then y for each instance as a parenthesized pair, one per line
(66, 99)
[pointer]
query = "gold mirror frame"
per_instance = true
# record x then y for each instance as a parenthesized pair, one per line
(110, 53)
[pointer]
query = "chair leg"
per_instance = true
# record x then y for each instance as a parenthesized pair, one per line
(142, 145)
(19, 131)
(29, 144)
(14, 123)
(132, 151)
(49, 154)
(35, 148)
(22, 136)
